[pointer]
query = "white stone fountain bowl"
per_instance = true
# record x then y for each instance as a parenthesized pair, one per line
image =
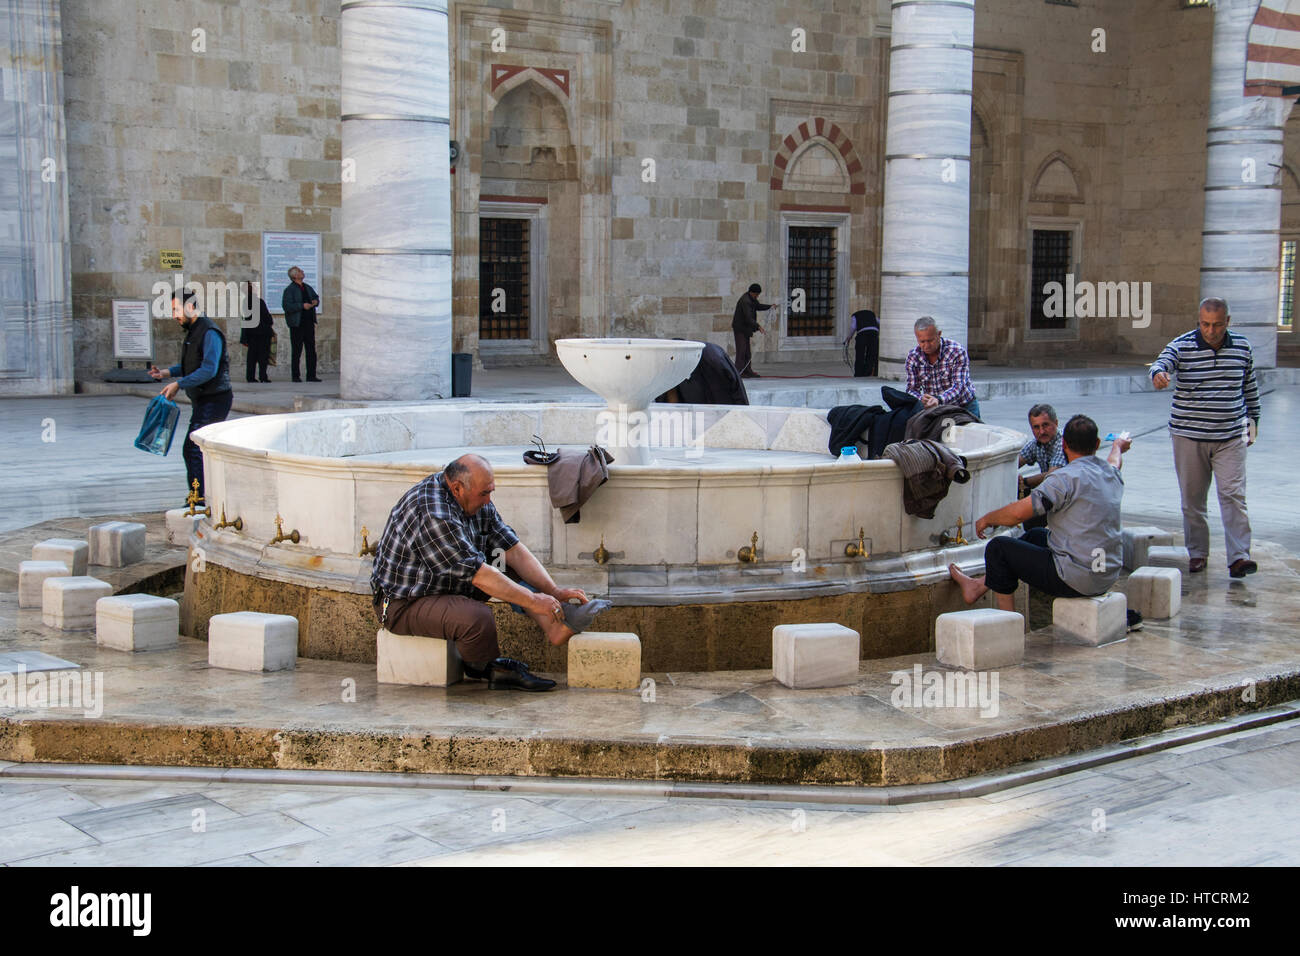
(629, 372)
(674, 527)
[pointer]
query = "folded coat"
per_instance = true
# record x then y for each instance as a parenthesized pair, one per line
(932, 422)
(572, 477)
(928, 469)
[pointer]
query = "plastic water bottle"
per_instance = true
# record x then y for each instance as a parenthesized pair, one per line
(849, 455)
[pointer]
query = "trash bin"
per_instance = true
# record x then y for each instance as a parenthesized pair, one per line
(462, 368)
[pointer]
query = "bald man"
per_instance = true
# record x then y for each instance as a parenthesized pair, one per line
(438, 561)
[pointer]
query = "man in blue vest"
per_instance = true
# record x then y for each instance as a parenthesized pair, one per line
(205, 375)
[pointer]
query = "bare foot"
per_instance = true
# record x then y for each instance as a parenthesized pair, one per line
(557, 632)
(972, 589)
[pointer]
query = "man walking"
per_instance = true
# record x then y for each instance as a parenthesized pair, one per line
(205, 368)
(744, 323)
(300, 301)
(1215, 417)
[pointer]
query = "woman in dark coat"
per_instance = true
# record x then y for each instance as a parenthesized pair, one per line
(256, 337)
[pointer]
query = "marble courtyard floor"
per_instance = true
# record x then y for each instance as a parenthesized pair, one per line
(1230, 653)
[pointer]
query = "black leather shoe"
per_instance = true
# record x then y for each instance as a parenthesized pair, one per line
(296, 379)
(476, 673)
(313, 380)
(1242, 567)
(505, 673)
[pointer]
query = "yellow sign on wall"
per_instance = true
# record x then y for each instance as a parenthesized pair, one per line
(171, 259)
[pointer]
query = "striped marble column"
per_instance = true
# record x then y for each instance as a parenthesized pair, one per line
(36, 354)
(395, 340)
(1239, 246)
(925, 245)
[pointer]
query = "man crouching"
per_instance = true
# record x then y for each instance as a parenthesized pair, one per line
(432, 576)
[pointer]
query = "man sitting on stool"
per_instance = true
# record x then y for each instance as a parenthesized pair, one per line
(434, 572)
(1044, 450)
(1080, 552)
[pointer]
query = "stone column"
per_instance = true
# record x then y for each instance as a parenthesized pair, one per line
(926, 236)
(1240, 244)
(395, 340)
(35, 275)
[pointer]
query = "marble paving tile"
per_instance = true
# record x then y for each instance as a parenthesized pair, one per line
(340, 814)
(370, 846)
(44, 804)
(225, 838)
(107, 824)
(503, 821)
(39, 838)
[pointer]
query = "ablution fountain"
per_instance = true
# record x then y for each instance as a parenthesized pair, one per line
(717, 522)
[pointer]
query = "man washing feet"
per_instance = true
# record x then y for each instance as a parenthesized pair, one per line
(434, 572)
(1080, 552)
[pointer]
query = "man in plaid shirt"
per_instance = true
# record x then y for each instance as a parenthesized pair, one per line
(1045, 450)
(445, 551)
(938, 369)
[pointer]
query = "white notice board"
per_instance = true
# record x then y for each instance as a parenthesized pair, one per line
(280, 250)
(132, 331)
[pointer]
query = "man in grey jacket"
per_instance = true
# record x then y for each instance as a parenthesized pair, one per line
(300, 301)
(1080, 552)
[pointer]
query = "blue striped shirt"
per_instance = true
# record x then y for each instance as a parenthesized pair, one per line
(1214, 392)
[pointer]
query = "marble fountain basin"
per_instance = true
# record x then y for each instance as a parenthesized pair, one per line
(673, 529)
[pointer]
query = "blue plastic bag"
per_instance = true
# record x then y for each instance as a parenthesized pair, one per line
(159, 426)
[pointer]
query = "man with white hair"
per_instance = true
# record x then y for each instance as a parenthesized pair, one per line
(938, 369)
(1214, 419)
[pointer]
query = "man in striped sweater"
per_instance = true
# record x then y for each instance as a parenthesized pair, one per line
(1215, 416)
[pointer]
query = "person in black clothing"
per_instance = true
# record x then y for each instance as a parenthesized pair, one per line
(257, 338)
(744, 323)
(300, 301)
(205, 375)
(864, 333)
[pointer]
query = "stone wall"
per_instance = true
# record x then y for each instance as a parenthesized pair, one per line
(170, 148)
(197, 142)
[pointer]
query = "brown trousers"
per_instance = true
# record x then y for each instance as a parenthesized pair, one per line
(451, 617)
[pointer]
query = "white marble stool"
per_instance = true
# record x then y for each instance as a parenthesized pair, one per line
(1155, 592)
(252, 641)
(115, 544)
(1092, 620)
(815, 655)
(980, 639)
(31, 580)
(422, 661)
(608, 659)
(137, 622)
(68, 603)
(1168, 557)
(72, 552)
(1138, 539)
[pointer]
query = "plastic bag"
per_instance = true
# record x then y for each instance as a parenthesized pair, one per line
(159, 426)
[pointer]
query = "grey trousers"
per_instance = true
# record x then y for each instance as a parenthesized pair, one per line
(1196, 462)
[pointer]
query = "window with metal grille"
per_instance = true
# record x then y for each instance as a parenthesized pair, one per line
(810, 264)
(503, 290)
(1051, 262)
(1286, 286)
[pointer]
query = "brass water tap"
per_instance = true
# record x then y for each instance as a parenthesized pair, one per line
(237, 524)
(281, 536)
(366, 546)
(857, 549)
(600, 555)
(749, 553)
(193, 499)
